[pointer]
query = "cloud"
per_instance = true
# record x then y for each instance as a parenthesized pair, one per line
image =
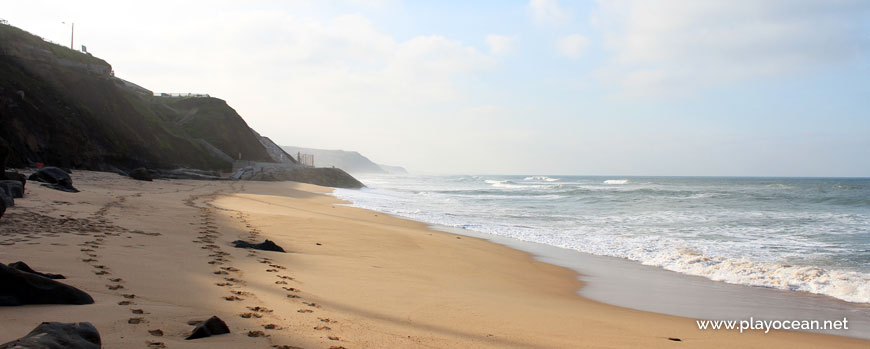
(548, 12)
(572, 46)
(500, 44)
(673, 47)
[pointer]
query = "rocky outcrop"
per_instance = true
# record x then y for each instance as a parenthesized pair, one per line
(20, 288)
(327, 177)
(59, 335)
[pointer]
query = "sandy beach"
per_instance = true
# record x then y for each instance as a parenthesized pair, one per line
(156, 255)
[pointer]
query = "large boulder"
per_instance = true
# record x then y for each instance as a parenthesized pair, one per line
(6, 199)
(58, 335)
(20, 288)
(267, 245)
(17, 177)
(211, 327)
(12, 188)
(141, 174)
(27, 269)
(54, 178)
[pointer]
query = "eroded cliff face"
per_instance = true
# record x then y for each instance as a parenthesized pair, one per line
(65, 108)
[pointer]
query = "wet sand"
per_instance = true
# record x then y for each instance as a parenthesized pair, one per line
(156, 255)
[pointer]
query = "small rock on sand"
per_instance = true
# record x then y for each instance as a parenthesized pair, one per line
(211, 327)
(267, 245)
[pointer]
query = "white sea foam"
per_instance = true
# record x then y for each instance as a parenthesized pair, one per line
(541, 178)
(616, 181)
(746, 249)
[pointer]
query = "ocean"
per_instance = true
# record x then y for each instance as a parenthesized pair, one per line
(800, 234)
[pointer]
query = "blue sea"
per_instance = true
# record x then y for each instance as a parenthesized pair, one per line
(802, 234)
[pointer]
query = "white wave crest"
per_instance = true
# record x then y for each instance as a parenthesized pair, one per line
(540, 178)
(616, 181)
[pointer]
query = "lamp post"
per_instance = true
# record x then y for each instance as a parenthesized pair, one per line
(72, 34)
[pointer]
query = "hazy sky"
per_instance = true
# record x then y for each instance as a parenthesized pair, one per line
(716, 87)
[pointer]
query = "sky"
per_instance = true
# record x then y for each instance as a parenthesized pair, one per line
(620, 87)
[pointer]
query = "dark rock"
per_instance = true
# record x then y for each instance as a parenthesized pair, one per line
(12, 188)
(141, 174)
(267, 245)
(2, 207)
(211, 327)
(58, 335)
(27, 269)
(189, 173)
(6, 200)
(20, 288)
(17, 177)
(54, 178)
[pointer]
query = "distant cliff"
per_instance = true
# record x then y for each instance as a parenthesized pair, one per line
(350, 161)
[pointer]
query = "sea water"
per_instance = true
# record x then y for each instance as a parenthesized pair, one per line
(800, 234)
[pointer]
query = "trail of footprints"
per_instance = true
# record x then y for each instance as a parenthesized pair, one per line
(232, 279)
(90, 249)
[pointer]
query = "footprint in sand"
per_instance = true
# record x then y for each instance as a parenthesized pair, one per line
(125, 303)
(224, 284)
(116, 280)
(271, 270)
(89, 260)
(135, 320)
(260, 309)
(114, 287)
(322, 328)
(137, 311)
(272, 327)
(305, 311)
(250, 315)
(101, 272)
(326, 320)
(156, 333)
(232, 298)
(128, 296)
(292, 296)
(280, 282)
(221, 272)
(256, 334)
(312, 304)
(333, 338)
(277, 266)
(291, 289)
(152, 344)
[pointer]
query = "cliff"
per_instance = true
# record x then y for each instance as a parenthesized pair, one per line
(350, 161)
(63, 107)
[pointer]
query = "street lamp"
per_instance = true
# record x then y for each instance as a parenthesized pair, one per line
(72, 34)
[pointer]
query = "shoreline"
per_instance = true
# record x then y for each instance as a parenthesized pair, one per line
(367, 279)
(616, 281)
